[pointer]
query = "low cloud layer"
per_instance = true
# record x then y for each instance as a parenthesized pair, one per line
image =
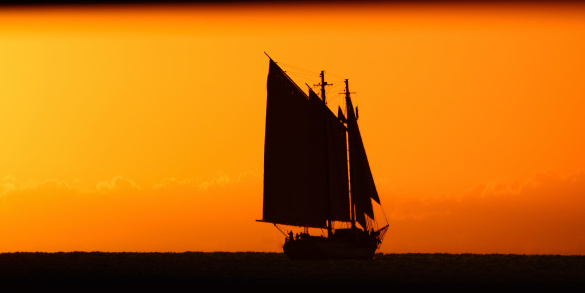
(118, 215)
(541, 216)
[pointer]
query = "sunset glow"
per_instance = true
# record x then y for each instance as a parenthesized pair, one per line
(141, 128)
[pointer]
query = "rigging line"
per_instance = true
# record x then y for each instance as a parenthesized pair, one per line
(304, 78)
(335, 75)
(333, 99)
(335, 85)
(304, 74)
(301, 72)
(300, 78)
(311, 72)
(334, 88)
(307, 75)
(299, 68)
(292, 81)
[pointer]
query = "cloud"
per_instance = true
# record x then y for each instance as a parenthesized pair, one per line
(173, 183)
(218, 180)
(7, 184)
(118, 215)
(541, 216)
(118, 183)
(50, 185)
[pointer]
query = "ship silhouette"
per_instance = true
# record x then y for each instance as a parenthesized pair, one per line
(317, 175)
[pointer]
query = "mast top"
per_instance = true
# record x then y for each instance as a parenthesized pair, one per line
(347, 92)
(323, 84)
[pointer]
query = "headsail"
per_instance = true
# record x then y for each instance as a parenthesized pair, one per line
(304, 157)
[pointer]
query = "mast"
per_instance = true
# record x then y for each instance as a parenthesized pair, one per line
(352, 204)
(323, 84)
(329, 226)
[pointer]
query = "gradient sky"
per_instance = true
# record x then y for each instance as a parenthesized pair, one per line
(141, 128)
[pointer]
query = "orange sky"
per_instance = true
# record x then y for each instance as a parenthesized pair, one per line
(141, 128)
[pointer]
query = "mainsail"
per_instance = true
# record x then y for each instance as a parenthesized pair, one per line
(305, 161)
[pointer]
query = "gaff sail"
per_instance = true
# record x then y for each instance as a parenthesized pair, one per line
(305, 161)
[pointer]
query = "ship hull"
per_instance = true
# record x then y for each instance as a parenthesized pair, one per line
(312, 247)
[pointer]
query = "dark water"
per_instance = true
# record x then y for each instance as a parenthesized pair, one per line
(189, 271)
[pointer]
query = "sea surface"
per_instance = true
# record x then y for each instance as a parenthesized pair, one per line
(189, 271)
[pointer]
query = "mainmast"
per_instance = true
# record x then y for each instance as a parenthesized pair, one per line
(352, 204)
(323, 84)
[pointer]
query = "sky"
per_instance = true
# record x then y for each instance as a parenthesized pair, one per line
(141, 127)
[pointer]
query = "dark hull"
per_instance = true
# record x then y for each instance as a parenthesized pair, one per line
(311, 247)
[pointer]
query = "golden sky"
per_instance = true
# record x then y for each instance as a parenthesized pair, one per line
(141, 128)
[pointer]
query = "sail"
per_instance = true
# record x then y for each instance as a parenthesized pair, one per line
(363, 188)
(334, 133)
(340, 115)
(299, 170)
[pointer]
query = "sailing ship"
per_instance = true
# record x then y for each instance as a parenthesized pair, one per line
(309, 182)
